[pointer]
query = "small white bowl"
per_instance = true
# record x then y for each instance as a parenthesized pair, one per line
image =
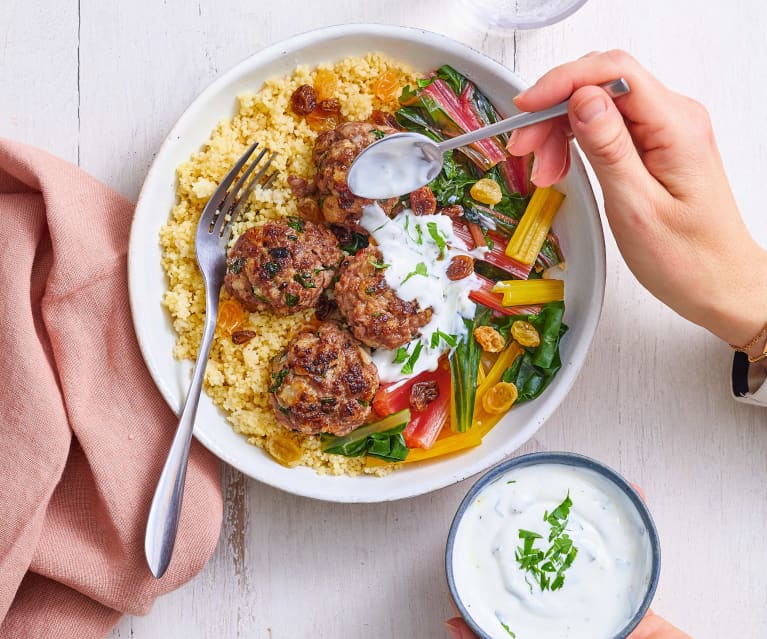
(642, 513)
(578, 226)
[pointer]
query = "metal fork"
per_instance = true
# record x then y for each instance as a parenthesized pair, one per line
(214, 230)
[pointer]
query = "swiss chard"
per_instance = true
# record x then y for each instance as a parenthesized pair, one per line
(449, 187)
(464, 362)
(532, 372)
(382, 439)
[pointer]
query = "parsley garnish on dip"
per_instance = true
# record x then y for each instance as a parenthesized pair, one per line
(551, 551)
(416, 251)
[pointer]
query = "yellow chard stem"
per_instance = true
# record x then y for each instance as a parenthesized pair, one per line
(535, 225)
(530, 292)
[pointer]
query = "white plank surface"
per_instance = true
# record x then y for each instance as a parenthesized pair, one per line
(103, 82)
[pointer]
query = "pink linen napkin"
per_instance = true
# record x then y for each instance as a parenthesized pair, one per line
(83, 430)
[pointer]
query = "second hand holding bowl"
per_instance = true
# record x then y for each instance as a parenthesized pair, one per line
(403, 162)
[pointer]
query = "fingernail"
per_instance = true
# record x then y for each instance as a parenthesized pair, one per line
(534, 170)
(591, 109)
(520, 95)
(513, 139)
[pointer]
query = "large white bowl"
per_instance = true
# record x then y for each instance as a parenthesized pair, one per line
(578, 226)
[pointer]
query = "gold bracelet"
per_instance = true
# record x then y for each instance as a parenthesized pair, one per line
(747, 347)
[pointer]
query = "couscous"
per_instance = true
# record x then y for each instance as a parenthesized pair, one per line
(238, 376)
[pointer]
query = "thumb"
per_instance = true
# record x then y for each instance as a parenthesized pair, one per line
(602, 134)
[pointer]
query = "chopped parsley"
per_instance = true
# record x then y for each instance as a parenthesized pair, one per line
(418, 239)
(235, 266)
(401, 355)
(420, 269)
(407, 369)
(356, 242)
(278, 378)
(291, 300)
(489, 242)
(437, 237)
(376, 264)
(377, 133)
(257, 295)
(304, 279)
(296, 223)
(547, 568)
(450, 340)
(507, 629)
(271, 269)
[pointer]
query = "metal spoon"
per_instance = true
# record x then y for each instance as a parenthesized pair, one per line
(403, 162)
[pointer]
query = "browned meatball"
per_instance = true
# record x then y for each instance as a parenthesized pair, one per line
(323, 383)
(334, 152)
(375, 314)
(282, 266)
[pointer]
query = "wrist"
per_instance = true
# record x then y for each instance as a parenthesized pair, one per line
(738, 312)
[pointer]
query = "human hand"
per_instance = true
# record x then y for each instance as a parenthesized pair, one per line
(667, 197)
(651, 627)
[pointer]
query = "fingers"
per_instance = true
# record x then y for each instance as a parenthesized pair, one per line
(656, 627)
(549, 141)
(602, 134)
(529, 139)
(647, 102)
(639, 490)
(458, 629)
(551, 159)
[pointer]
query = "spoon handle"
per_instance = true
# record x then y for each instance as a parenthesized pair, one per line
(614, 89)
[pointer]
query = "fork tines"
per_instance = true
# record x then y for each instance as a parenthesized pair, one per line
(223, 214)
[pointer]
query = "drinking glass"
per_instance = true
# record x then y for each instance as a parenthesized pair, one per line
(519, 14)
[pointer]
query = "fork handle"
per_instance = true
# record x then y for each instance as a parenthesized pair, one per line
(164, 513)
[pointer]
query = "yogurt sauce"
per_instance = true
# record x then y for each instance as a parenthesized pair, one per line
(418, 250)
(394, 165)
(603, 587)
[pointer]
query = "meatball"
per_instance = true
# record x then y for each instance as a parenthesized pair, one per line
(323, 383)
(375, 314)
(334, 152)
(282, 266)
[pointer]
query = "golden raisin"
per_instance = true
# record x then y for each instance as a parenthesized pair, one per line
(499, 398)
(525, 334)
(325, 84)
(286, 451)
(489, 339)
(486, 191)
(387, 87)
(323, 120)
(230, 316)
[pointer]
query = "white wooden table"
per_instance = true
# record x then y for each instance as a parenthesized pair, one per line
(100, 83)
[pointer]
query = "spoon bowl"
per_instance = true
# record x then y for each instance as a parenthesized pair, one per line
(403, 162)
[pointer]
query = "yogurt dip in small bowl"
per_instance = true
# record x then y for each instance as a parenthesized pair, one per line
(552, 546)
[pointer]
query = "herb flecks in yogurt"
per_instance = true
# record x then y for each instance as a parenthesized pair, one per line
(542, 565)
(602, 583)
(416, 253)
